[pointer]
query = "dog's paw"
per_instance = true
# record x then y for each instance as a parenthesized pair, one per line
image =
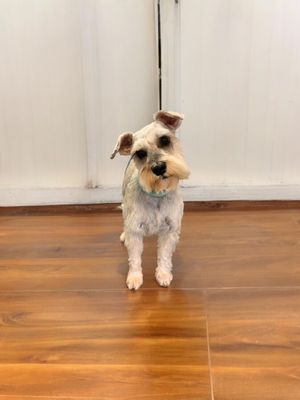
(134, 280)
(164, 278)
(122, 237)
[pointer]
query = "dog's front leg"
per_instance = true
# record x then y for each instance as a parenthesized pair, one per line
(166, 247)
(134, 244)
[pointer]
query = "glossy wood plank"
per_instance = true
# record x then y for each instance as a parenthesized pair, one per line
(254, 343)
(66, 332)
(107, 382)
(34, 397)
(258, 383)
(223, 249)
(25, 397)
(104, 343)
(92, 327)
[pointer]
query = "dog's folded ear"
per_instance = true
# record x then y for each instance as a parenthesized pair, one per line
(124, 144)
(169, 119)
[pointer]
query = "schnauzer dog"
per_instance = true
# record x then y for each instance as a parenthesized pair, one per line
(152, 202)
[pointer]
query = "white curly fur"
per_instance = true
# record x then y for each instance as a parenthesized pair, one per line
(146, 215)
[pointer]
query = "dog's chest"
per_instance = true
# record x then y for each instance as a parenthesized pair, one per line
(155, 222)
(159, 217)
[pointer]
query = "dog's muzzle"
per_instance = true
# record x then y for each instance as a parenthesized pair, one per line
(159, 168)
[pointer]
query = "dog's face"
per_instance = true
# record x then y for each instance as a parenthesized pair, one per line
(156, 152)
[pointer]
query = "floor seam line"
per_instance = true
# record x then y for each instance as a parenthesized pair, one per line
(125, 290)
(208, 350)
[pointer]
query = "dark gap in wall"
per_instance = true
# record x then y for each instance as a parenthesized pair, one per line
(159, 56)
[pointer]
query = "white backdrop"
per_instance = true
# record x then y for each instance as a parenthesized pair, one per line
(74, 74)
(42, 122)
(233, 68)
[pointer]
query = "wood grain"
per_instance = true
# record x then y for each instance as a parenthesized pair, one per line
(94, 327)
(254, 343)
(106, 382)
(93, 342)
(228, 328)
(224, 249)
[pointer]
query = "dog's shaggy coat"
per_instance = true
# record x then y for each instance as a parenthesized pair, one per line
(152, 202)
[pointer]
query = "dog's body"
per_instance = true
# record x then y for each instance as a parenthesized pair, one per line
(152, 202)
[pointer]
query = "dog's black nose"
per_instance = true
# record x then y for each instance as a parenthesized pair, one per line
(159, 168)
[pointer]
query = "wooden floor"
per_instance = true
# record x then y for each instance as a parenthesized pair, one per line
(227, 329)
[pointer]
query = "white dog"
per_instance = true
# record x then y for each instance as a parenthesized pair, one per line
(152, 202)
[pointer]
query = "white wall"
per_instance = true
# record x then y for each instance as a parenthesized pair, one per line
(74, 74)
(128, 83)
(42, 125)
(234, 71)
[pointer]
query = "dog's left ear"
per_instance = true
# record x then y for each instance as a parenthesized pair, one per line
(169, 119)
(124, 144)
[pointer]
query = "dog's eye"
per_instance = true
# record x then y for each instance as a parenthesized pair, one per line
(164, 141)
(141, 154)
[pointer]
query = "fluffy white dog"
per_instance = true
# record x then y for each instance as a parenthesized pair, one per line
(152, 202)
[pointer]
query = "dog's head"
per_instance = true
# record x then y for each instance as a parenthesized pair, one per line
(156, 151)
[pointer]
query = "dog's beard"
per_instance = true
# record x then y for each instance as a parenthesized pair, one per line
(176, 170)
(177, 167)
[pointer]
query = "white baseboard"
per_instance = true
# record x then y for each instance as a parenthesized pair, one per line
(26, 197)
(241, 192)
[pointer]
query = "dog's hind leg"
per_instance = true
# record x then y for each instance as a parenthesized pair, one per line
(166, 247)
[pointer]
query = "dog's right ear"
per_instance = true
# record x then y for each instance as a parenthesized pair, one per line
(169, 119)
(124, 144)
